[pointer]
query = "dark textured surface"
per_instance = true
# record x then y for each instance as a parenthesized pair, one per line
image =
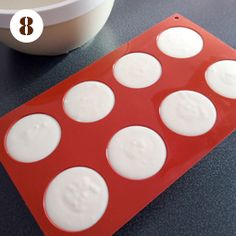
(203, 202)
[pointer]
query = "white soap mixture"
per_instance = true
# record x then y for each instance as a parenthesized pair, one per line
(76, 199)
(180, 42)
(136, 152)
(221, 77)
(188, 113)
(33, 138)
(25, 4)
(89, 101)
(137, 70)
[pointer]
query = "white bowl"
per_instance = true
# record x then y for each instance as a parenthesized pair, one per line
(68, 24)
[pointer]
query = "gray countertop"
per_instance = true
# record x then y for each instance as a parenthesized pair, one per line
(203, 201)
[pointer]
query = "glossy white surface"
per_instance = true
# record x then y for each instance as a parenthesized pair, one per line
(180, 42)
(89, 101)
(33, 138)
(221, 77)
(136, 152)
(188, 113)
(76, 199)
(137, 70)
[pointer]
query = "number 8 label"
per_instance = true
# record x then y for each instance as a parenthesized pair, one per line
(26, 29)
(26, 26)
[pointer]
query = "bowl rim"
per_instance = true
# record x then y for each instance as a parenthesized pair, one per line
(55, 13)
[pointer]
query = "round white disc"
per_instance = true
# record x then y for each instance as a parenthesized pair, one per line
(221, 78)
(76, 199)
(89, 101)
(136, 152)
(137, 70)
(188, 113)
(33, 138)
(180, 42)
(26, 25)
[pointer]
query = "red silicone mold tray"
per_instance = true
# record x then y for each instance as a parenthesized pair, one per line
(84, 144)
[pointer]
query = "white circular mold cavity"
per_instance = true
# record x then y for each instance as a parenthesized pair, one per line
(188, 113)
(76, 199)
(180, 42)
(89, 102)
(136, 153)
(137, 70)
(221, 78)
(33, 138)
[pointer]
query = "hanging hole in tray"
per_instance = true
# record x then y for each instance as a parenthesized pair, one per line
(176, 17)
